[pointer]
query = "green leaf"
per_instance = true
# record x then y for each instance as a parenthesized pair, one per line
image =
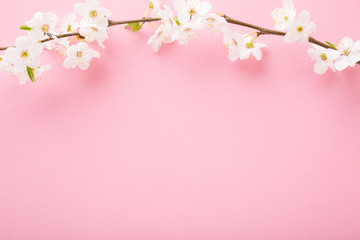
(25, 28)
(129, 25)
(331, 45)
(177, 21)
(30, 72)
(134, 26)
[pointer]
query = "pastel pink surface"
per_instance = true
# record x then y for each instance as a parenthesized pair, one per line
(183, 144)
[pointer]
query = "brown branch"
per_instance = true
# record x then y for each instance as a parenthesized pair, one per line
(261, 30)
(111, 23)
(265, 31)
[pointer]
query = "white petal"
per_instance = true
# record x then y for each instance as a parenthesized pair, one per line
(290, 37)
(354, 58)
(204, 7)
(69, 63)
(179, 5)
(342, 63)
(257, 53)
(304, 17)
(183, 17)
(84, 65)
(314, 54)
(320, 67)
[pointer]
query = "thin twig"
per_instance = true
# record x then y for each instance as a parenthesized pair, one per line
(261, 30)
(111, 23)
(265, 31)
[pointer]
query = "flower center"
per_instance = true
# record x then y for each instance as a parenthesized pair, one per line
(323, 56)
(192, 12)
(249, 45)
(24, 54)
(300, 29)
(69, 28)
(347, 52)
(79, 54)
(94, 29)
(211, 20)
(93, 14)
(235, 42)
(45, 28)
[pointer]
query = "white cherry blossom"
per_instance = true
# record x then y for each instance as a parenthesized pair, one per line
(234, 42)
(155, 6)
(92, 12)
(324, 58)
(38, 73)
(164, 34)
(191, 9)
(350, 53)
(251, 48)
(300, 29)
(213, 22)
(80, 55)
(284, 16)
(186, 33)
(62, 46)
(94, 32)
(4, 64)
(68, 24)
(42, 25)
(25, 54)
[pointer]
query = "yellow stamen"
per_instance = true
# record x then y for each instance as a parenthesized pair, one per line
(24, 54)
(79, 54)
(93, 14)
(45, 28)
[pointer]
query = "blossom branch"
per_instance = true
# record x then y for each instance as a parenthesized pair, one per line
(22, 59)
(265, 31)
(111, 23)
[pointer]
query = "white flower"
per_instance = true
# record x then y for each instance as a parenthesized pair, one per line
(68, 24)
(4, 64)
(80, 55)
(94, 32)
(92, 11)
(25, 53)
(300, 29)
(284, 16)
(155, 6)
(24, 77)
(165, 34)
(166, 14)
(186, 33)
(251, 48)
(42, 25)
(213, 22)
(234, 42)
(324, 58)
(61, 46)
(350, 51)
(191, 9)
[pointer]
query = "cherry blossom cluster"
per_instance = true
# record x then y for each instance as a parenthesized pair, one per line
(69, 36)
(336, 57)
(193, 15)
(23, 59)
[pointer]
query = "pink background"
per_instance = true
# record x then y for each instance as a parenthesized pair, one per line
(183, 144)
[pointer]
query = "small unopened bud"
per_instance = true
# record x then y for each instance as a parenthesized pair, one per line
(151, 5)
